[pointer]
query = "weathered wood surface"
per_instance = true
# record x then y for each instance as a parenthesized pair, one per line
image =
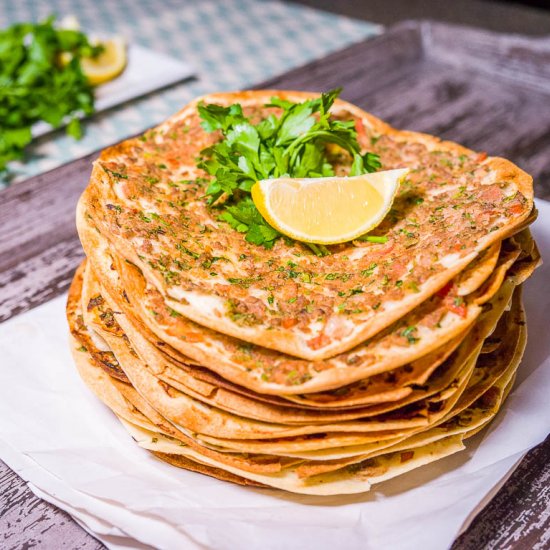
(518, 517)
(29, 522)
(510, 17)
(39, 247)
(486, 91)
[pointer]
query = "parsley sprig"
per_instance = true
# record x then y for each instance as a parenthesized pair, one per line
(292, 144)
(35, 85)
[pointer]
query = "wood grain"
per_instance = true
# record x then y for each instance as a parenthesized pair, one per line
(518, 516)
(39, 247)
(504, 16)
(29, 522)
(487, 91)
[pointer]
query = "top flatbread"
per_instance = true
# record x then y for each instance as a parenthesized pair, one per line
(147, 197)
(430, 325)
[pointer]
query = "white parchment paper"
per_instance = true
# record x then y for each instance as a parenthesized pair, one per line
(74, 453)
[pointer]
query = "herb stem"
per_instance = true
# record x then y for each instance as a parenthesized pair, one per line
(318, 249)
(382, 239)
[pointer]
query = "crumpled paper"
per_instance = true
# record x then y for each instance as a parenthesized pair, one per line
(74, 453)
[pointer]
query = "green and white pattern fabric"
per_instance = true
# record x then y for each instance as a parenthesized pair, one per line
(231, 43)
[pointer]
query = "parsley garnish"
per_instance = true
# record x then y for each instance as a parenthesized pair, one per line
(35, 86)
(292, 144)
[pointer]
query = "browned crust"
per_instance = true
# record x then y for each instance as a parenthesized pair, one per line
(217, 473)
(102, 359)
(326, 379)
(286, 340)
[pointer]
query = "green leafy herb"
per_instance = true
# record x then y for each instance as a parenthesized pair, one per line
(244, 282)
(370, 270)
(116, 175)
(318, 249)
(408, 333)
(35, 85)
(245, 218)
(373, 239)
(292, 144)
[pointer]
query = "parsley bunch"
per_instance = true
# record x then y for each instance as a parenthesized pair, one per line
(36, 85)
(292, 145)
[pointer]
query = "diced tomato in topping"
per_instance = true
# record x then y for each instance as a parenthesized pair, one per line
(288, 323)
(443, 291)
(459, 309)
(516, 209)
(318, 341)
(406, 455)
(481, 156)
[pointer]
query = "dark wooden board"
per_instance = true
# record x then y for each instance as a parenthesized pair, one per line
(495, 15)
(490, 92)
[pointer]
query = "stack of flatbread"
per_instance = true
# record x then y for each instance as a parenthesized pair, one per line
(279, 368)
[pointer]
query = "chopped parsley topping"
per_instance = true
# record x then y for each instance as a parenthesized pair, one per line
(370, 270)
(116, 175)
(408, 333)
(244, 282)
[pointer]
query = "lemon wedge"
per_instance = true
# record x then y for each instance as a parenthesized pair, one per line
(327, 210)
(108, 64)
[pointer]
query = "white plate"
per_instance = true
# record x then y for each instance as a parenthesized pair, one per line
(146, 71)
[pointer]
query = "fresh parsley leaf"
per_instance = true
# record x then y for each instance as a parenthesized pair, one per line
(215, 117)
(245, 218)
(408, 333)
(36, 86)
(292, 144)
(74, 128)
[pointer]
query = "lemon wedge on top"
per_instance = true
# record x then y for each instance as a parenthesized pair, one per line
(108, 64)
(327, 210)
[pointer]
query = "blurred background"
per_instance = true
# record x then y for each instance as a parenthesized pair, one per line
(521, 16)
(223, 44)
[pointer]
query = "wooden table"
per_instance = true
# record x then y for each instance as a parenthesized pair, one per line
(453, 82)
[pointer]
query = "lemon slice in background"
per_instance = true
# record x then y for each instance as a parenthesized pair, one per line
(108, 64)
(327, 210)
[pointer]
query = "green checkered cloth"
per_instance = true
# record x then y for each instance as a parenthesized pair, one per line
(231, 43)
